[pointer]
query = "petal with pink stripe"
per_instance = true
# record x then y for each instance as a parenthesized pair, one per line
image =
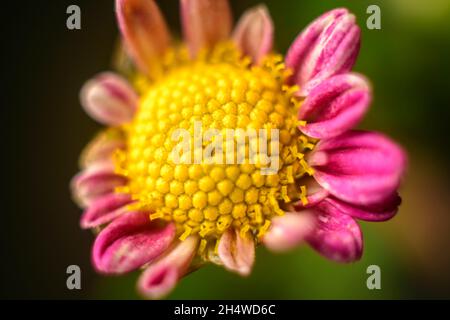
(161, 276)
(109, 99)
(95, 182)
(381, 211)
(328, 46)
(237, 252)
(205, 23)
(359, 167)
(104, 210)
(335, 105)
(337, 236)
(144, 32)
(129, 242)
(254, 33)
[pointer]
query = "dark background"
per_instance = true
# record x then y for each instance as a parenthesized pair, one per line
(43, 67)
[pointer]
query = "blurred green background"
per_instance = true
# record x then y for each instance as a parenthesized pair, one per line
(408, 62)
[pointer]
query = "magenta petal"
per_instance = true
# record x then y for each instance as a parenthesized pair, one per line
(382, 211)
(205, 23)
(162, 276)
(359, 167)
(335, 105)
(95, 182)
(158, 281)
(254, 33)
(129, 242)
(145, 33)
(337, 236)
(104, 210)
(109, 99)
(288, 231)
(328, 46)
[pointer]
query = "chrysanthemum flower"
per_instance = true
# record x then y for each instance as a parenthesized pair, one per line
(169, 218)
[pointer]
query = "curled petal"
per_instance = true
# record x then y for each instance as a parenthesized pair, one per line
(359, 167)
(381, 211)
(104, 210)
(254, 33)
(288, 231)
(337, 236)
(129, 242)
(95, 182)
(314, 194)
(161, 276)
(237, 252)
(109, 99)
(145, 33)
(205, 22)
(102, 147)
(328, 46)
(335, 105)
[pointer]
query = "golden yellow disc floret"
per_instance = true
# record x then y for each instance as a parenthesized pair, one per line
(221, 91)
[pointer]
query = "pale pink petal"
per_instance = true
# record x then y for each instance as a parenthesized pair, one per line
(161, 276)
(288, 231)
(335, 105)
(205, 23)
(359, 167)
(382, 211)
(254, 33)
(314, 194)
(328, 46)
(104, 210)
(129, 242)
(109, 99)
(145, 33)
(102, 148)
(337, 236)
(237, 252)
(95, 182)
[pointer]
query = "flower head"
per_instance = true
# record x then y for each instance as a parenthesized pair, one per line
(267, 154)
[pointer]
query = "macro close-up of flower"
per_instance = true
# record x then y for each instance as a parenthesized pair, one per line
(168, 217)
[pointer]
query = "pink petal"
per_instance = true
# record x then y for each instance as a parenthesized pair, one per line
(95, 182)
(145, 33)
(328, 46)
(382, 211)
(129, 242)
(109, 99)
(205, 23)
(102, 147)
(254, 33)
(161, 277)
(335, 105)
(288, 231)
(104, 210)
(314, 194)
(359, 167)
(337, 236)
(237, 253)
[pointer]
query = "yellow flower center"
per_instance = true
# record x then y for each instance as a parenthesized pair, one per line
(218, 91)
